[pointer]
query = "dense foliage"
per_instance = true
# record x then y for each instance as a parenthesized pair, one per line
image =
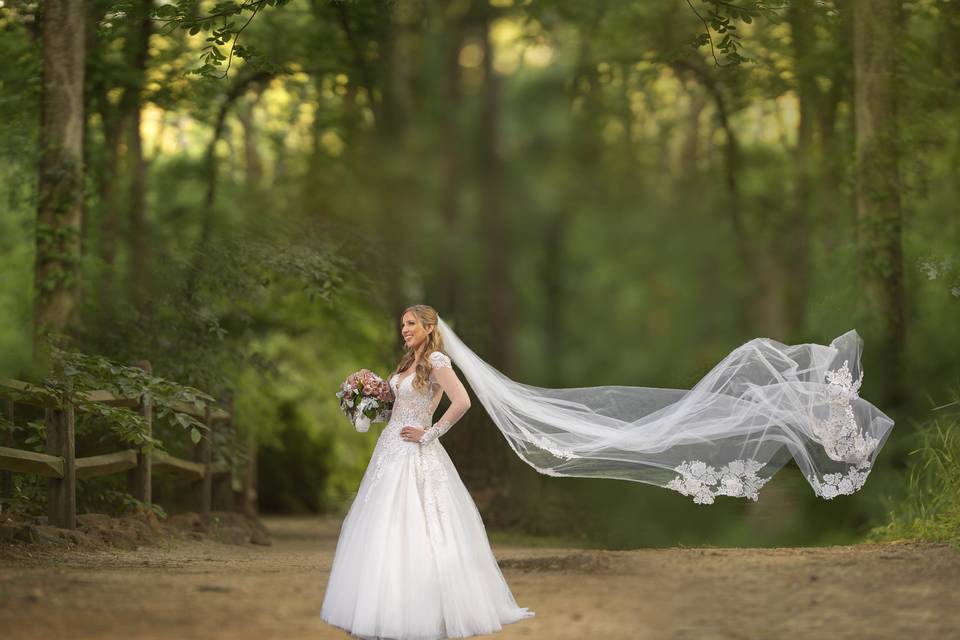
(594, 193)
(930, 507)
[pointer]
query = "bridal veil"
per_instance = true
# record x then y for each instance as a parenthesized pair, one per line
(762, 404)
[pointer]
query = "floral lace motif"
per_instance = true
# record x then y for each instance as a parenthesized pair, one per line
(836, 484)
(548, 471)
(738, 479)
(433, 477)
(434, 431)
(543, 443)
(839, 432)
(439, 360)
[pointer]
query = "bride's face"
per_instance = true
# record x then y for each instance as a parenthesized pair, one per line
(412, 331)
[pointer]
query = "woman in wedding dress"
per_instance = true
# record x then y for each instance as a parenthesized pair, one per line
(413, 560)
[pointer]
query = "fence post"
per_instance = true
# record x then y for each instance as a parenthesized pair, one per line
(62, 492)
(6, 477)
(202, 453)
(139, 479)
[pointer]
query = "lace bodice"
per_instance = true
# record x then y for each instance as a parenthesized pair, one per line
(411, 407)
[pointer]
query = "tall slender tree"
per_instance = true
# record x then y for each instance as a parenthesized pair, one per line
(876, 28)
(797, 250)
(61, 173)
(138, 51)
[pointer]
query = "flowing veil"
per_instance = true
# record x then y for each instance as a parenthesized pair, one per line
(762, 404)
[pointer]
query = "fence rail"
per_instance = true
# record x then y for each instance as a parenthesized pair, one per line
(62, 468)
(29, 462)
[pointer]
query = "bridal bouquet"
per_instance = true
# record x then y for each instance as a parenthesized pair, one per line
(365, 397)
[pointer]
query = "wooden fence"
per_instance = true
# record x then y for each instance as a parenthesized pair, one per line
(210, 476)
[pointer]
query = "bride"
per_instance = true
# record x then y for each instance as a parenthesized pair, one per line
(413, 560)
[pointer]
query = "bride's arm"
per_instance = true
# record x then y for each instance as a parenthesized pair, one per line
(445, 376)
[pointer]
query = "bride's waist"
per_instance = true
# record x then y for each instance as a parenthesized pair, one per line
(408, 420)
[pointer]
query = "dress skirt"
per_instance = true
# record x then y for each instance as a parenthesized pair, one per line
(413, 561)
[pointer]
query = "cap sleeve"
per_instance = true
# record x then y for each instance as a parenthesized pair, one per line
(439, 360)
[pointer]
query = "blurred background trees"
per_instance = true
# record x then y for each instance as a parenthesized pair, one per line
(591, 193)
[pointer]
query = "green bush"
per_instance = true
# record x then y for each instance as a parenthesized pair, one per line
(930, 507)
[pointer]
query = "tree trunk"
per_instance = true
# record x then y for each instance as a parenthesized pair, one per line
(60, 187)
(514, 502)
(138, 48)
(139, 235)
(109, 215)
(690, 150)
(491, 212)
(554, 239)
(876, 26)
(796, 254)
(746, 252)
(451, 164)
(835, 151)
(212, 175)
(253, 165)
(479, 449)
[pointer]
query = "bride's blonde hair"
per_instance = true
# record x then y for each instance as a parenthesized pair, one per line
(427, 317)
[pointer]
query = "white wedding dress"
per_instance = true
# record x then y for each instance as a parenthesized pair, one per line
(413, 560)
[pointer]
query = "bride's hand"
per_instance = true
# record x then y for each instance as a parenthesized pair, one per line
(411, 434)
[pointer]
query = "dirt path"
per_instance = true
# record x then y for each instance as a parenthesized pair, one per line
(211, 590)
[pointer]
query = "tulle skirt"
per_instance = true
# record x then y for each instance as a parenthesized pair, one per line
(413, 561)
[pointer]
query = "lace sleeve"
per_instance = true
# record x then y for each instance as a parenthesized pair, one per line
(444, 375)
(438, 360)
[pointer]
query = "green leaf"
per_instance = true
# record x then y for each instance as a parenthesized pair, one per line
(195, 435)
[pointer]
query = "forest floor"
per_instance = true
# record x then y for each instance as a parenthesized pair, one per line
(204, 589)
